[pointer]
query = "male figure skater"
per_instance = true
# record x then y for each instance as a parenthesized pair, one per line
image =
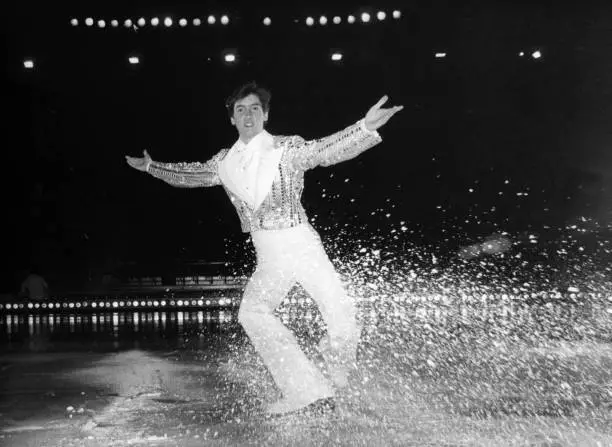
(263, 176)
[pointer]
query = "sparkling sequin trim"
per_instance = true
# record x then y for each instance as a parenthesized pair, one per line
(282, 208)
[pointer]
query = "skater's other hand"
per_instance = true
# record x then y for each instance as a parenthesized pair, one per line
(377, 116)
(142, 164)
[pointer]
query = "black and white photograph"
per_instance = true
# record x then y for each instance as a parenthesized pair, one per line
(306, 223)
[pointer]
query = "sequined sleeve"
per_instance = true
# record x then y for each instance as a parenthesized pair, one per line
(188, 175)
(336, 148)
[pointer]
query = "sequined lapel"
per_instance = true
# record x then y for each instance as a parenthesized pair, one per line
(268, 167)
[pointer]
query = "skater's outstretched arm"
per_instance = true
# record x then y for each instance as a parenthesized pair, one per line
(343, 145)
(181, 175)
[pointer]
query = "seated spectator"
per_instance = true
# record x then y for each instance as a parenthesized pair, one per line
(34, 286)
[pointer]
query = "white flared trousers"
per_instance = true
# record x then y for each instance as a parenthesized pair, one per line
(285, 257)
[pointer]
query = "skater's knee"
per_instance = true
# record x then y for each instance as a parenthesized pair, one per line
(244, 316)
(344, 308)
(249, 316)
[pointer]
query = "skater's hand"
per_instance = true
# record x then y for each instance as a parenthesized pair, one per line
(142, 164)
(378, 116)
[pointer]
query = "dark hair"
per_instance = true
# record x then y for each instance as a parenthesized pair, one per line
(245, 90)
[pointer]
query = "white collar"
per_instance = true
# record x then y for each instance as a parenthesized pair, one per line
(256, 142)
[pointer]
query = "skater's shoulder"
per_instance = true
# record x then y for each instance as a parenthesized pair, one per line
(221, 154)
(285, 140)
(288, 140)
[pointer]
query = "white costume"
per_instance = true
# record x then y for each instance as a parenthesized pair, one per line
(264, 180)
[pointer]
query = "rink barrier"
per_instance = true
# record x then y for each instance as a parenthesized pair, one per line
(476, 309)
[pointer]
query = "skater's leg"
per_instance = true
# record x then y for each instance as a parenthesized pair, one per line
(299, 380)
(321, 281)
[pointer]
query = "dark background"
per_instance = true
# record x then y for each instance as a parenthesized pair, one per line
(482, 118)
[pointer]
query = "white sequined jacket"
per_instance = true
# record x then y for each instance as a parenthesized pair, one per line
(282, 207)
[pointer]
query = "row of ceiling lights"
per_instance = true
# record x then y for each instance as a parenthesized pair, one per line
(231, 57)
(365, 17)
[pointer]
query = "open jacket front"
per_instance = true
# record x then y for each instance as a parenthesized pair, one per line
(282, 206)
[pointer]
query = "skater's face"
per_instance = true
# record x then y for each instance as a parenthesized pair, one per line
(249, 117)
